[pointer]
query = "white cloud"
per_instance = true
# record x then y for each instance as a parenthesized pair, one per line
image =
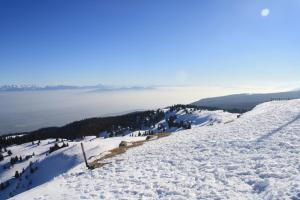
(265, 12)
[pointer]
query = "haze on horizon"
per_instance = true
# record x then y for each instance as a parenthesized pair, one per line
(30, 110)
(188, 50)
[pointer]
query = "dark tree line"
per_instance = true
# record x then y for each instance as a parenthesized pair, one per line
(16, 159)
(172, 122)
(88, 127)
(178, 107)
(116, 125)
(56, 147)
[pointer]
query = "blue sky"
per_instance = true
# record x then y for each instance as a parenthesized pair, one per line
(136, 42)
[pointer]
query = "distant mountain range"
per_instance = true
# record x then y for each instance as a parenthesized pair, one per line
(99, 87)
(245, 102)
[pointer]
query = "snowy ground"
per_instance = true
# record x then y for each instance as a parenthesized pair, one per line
(256, 156)
(54, 164)
(63, 160)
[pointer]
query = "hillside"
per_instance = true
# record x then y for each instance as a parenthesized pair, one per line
(114, 125)
(245, 102)
(41, 165)
(255, 156)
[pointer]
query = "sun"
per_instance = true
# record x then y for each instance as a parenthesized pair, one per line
(265, 12)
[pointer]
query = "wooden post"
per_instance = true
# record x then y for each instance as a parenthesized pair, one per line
(83, 152)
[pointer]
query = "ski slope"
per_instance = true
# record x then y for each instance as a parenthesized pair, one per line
(256, 156)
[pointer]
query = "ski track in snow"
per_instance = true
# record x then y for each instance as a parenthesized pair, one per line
(255, 157)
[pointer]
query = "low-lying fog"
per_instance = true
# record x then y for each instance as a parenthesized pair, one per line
(30, 110)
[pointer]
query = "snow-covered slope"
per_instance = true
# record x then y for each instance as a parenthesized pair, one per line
(256, 156)
(50, 165)
(61, 161)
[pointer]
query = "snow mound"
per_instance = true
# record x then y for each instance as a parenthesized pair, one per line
(255, 156)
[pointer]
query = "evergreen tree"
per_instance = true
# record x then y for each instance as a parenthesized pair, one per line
(17, 175)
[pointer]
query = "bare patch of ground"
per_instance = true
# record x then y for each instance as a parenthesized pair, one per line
(122, 149)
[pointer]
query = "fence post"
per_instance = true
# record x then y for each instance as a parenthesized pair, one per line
(84, 156)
